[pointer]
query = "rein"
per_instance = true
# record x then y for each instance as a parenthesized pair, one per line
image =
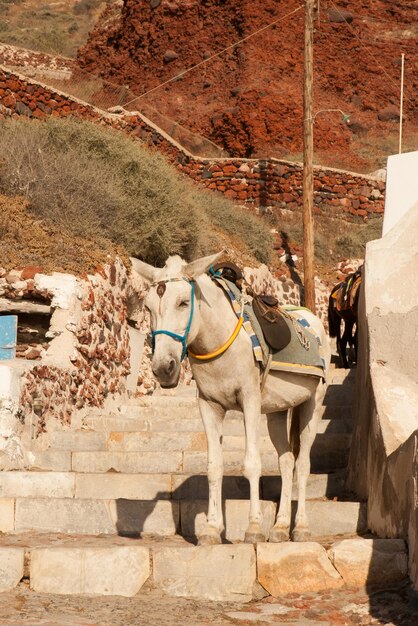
(183, 338)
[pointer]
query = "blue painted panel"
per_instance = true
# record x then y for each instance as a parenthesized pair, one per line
(8, 336)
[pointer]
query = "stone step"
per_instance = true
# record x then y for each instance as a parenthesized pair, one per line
(109, 486)
(138, 441)
(233, 424)
(334, 406)
(112, 565)
(171, 517)
(330, 451)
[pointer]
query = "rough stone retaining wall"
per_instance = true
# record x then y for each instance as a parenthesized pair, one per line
(383, 461)
(36, 64)
(87, 361)
(260, 183)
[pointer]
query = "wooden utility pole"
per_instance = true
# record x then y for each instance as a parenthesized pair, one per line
(308, 229)
(401, 102)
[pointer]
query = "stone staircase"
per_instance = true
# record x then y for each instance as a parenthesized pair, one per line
(141, 475)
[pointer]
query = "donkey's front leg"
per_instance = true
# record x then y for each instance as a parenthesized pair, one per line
(308, 423)
(252, 466)
(212, 416)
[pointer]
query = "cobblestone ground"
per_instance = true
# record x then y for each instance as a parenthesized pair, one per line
(348, 607)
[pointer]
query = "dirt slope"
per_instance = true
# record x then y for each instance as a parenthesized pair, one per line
(27, 240)
(249, 100)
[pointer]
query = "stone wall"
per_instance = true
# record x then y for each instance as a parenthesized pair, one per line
(383, 462)
(87, 362)
(260, 183)
(36, 64)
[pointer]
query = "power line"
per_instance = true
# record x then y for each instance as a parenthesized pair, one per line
(213, 56)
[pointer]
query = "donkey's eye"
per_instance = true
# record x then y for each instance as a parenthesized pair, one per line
(183, 304)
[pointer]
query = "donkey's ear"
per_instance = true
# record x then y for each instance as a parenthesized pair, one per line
(143, 269)
(200, 266)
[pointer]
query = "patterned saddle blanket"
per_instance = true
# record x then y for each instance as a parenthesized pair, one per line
(304, 352)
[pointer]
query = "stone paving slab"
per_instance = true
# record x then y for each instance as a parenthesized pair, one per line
(151, 607)
(45, 460)
(128, 462)
(90, 517)
(11, 567)
(7, 515)
(225, 572)
(37, 484)
(119, 570)
(133, 486)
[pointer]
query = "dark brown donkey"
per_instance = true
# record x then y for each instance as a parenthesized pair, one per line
(342, 307)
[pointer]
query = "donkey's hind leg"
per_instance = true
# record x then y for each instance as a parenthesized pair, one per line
(309, 415)
(252, 465)
(280, 437)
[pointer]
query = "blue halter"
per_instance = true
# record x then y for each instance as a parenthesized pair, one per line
(181, 338)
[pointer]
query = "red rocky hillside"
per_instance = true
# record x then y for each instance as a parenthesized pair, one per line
(249, 100)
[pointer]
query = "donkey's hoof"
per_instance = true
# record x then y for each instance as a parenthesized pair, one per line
(301, 534)
(277, 535)
(251, 537)
(210, 538)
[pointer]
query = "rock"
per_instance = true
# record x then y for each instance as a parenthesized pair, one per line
(379, 174)
(155, 3)
(295, 568)
(170, 55)
(117, 110)
(30, 271)
(118, 571)
(33, 353)
(23, 109)
(337, 16)
(377, 562)
(389, 114)
(357, 128)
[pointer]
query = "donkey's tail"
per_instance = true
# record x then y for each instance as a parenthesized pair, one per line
(334, 320)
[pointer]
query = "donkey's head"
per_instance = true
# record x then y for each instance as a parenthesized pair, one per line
(174, 311)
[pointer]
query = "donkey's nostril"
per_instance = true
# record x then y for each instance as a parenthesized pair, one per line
(171, 366)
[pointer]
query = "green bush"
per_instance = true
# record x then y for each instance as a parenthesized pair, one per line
(98, 183)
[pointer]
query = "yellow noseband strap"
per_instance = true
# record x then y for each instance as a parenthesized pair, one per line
(222, 349)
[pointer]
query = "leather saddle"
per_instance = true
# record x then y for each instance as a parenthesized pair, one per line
(266, 309)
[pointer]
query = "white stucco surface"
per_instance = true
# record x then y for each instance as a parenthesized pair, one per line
(62, 286)
(401, 187)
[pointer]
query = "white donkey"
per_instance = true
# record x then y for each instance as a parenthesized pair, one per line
(190, 312)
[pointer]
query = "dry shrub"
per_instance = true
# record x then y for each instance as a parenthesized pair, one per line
(95, 182)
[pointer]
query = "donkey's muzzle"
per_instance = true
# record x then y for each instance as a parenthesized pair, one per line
(167, 372)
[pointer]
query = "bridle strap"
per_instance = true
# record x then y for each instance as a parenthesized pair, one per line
(183, 338)
(177, 337)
